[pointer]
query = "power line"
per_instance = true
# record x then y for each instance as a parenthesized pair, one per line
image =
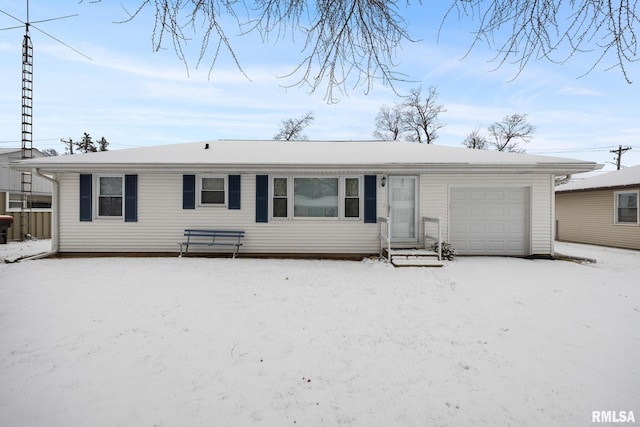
(35, 140)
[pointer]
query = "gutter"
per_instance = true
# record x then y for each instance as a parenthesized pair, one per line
(54, 214)
(560, 168)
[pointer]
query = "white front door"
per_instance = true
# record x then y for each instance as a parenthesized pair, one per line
(403, 207)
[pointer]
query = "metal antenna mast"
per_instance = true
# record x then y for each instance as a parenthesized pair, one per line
(26, 186)
(27, 129)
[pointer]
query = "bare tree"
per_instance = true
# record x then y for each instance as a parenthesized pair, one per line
(526, 30)
(421, 115)
(389, 123)
(291, 129)
(351, 43)
(475, 140)
(507, 134)
(50, 152)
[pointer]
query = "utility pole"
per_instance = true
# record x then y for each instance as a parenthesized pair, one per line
(619, 152)
(69, 145)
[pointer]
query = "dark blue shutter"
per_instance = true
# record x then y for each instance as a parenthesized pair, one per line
(86, 184)
(188, 191)
(262, 198)
(130, 198)
(370, 204)
(234, 191)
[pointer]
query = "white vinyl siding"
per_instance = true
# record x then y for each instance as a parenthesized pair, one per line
(161, 219)
(434, 202)
(161, 223)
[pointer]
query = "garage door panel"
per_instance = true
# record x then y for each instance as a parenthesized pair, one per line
(516, 195)
(489, 221)
(497, 211)
(476, 211)
(496, 229)
(496, 195)
(477, 195)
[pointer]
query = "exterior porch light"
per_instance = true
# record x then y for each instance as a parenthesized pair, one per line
(384, 181)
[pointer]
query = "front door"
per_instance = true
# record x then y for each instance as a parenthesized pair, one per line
(403, 208)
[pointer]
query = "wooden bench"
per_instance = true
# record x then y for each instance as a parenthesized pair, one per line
(212, 238)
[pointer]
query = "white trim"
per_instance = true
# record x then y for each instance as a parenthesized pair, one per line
(615, 207)
(416, 207)
(342, 198)
(225, 186)
(96, 201)
(322, 218)
(272, 187)
(8, 208)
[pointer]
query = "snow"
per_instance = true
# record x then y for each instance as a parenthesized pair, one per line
(310, 153)
(622, 177)
(482, 341)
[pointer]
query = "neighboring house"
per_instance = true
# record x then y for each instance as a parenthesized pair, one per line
(601, 210)
(304, 197)
(38, 202)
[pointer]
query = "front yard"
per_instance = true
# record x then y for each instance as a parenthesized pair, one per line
(207, 342)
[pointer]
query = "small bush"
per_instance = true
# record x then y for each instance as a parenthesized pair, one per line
(448, 252)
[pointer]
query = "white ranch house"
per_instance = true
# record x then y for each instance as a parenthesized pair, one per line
(304, 198)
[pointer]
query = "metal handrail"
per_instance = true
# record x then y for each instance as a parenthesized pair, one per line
(438, 238)
(385, 236)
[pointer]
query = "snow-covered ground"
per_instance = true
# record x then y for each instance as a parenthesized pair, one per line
(220, 342)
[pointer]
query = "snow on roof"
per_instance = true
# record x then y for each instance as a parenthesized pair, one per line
(9, 150)
(4, 151)
(622, 177)
(236, 153)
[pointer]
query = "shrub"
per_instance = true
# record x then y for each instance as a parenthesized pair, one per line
(448, 252)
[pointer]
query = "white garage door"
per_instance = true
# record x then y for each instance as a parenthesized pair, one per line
(489, 221)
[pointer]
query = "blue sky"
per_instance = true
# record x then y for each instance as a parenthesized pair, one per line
(136, 97)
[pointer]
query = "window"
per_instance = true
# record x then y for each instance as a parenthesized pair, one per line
(212, 190)
(110, 191)
(626, 207)
(34, 201)
(301, 197)
(280, 199)
(352, 197)
(315, 197)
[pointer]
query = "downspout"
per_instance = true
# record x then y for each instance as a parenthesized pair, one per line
(553, 217)
(54, 215)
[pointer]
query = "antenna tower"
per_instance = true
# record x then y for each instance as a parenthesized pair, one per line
(27, 130)
(26, 182)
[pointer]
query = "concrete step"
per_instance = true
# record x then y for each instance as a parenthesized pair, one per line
(413, 257)
(416, 262)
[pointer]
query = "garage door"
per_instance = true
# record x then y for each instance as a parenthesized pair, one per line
(489, 221)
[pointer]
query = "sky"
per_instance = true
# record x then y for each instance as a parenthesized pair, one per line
(135, 96)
